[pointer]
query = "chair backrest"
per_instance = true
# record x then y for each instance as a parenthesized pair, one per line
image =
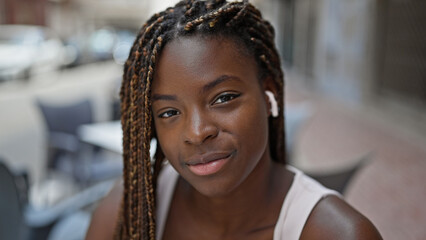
(11, 217)
(339, 179)
(66, 118)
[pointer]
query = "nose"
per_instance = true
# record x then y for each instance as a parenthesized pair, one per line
(199, 128)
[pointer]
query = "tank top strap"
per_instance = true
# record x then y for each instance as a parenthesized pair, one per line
(165, 188)
(298, 204)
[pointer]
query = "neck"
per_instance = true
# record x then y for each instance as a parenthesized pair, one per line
(244, 207)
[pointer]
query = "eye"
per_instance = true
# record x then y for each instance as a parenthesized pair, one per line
(169, 113)
(225, 97)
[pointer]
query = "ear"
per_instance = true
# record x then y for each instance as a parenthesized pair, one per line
(268, 84)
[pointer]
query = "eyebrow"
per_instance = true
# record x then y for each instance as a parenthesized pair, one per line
(218, 81)
(164, 97)
(205, 88)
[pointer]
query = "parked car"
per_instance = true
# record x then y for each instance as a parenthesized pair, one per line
(26, 50)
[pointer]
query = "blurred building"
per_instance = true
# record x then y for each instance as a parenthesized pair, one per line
(363, 52)
(23, 12)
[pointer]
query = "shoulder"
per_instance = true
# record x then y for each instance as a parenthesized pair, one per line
(105, 217)
(333, 218)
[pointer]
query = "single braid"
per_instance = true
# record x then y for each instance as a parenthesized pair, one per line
(133, 200)
(213, 4)
(241, 13)
(147, 138)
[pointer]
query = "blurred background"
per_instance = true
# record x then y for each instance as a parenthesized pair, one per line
(355, 74)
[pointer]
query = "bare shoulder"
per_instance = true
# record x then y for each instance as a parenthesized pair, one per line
(333, 218)
(105, 217)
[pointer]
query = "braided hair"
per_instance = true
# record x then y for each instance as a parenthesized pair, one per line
(240, 21)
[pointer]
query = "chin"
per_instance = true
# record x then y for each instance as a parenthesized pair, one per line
(213, 192)
(215, 189)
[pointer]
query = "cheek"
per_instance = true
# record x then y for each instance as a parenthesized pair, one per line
(167, 140)
(250, 125)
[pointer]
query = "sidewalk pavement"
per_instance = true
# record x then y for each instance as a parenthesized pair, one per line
(390, 190)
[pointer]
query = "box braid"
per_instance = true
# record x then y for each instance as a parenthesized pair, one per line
(240, 21)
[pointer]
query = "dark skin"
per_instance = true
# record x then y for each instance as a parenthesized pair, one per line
(195, 113)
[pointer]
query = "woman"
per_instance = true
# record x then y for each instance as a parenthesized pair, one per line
(205, 79)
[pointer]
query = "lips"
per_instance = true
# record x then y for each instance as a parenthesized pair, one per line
(208, 164)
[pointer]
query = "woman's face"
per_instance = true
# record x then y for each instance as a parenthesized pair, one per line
(210, 113)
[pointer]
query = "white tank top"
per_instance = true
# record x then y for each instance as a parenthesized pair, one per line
(301, 198)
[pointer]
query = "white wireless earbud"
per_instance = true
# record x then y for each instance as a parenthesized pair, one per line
(274, 105)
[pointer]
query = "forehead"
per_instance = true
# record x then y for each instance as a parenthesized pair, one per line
(185, 61)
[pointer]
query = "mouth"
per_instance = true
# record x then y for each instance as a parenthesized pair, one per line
(208, 164)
